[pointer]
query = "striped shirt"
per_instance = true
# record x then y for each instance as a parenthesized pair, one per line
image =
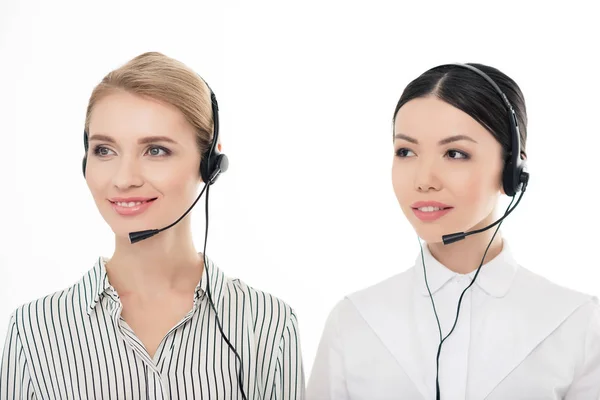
(74, 344)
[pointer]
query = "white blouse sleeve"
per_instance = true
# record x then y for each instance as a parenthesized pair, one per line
(327, 380)
(586, 384)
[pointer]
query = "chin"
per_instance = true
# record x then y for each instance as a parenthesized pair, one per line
(432, 232)
(122, 236)
(123, 233)
(430, 237)
(122, 230)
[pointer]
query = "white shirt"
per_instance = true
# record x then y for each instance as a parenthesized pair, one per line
(518, 337)
(74, 344)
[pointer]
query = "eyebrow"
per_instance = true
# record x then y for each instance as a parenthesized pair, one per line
(144, 140)
(442, 142)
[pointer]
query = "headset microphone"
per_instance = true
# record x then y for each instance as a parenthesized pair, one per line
(455, 237)
(137, 236)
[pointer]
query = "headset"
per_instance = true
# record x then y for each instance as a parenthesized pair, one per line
(514, 175)
(514, 181)
(212, 164)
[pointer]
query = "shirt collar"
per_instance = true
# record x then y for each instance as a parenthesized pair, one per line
(94, 284)
(495, 277)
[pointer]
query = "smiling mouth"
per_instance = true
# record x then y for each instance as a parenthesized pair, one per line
(431, 208)
(130, 204)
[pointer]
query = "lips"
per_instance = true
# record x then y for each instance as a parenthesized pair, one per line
(124, 201)
(436, 204)
(131, 205)
(428, 211)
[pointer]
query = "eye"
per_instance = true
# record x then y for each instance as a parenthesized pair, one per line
(155, 151)
(457, 155)
(102, 151)
(404, 152)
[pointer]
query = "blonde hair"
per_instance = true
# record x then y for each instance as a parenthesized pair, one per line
(164, 79)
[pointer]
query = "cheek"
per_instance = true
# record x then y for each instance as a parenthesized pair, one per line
(97, 182)
(403, 184)
(400, 181)
(178, 187)
(178, 183)
(476, 189)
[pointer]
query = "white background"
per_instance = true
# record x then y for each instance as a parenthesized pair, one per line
(306, 92)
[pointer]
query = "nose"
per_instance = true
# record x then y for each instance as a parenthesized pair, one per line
(426, 176)
(127, 174)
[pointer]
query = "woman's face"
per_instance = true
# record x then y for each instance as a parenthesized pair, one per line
(142, 164)
(447, 169)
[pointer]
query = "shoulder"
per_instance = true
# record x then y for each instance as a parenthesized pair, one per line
(540, 309)
(540, 289)
(582, 310)
(267, 312)
(590, 313)
(397, 287)
(46, 312)
(386, 296)
(56, 308)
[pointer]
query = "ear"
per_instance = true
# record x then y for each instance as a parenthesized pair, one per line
(501, 184)
(219, 147)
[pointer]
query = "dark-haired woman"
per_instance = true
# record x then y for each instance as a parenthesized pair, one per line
(466, 321)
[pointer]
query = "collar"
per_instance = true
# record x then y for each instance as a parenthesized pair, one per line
(495, 277)
(94, 285)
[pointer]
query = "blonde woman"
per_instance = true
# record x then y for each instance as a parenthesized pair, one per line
(157, 319)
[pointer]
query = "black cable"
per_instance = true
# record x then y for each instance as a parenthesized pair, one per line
(442, 340)
(448, 239)
(241, 369)
(505, 215)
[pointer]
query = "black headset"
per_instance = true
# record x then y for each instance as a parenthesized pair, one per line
(514, 175)
(213, 162)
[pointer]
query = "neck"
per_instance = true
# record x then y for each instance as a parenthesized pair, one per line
(465, 256)
(165, 262)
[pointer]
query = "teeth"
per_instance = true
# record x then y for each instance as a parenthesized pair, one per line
(430, 209)
(130, 204)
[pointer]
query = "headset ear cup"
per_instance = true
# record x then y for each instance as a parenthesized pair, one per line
(507, 179)
(86, 146)
(204, 170)
(511, 178)
(218, 162)
(222, 163)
